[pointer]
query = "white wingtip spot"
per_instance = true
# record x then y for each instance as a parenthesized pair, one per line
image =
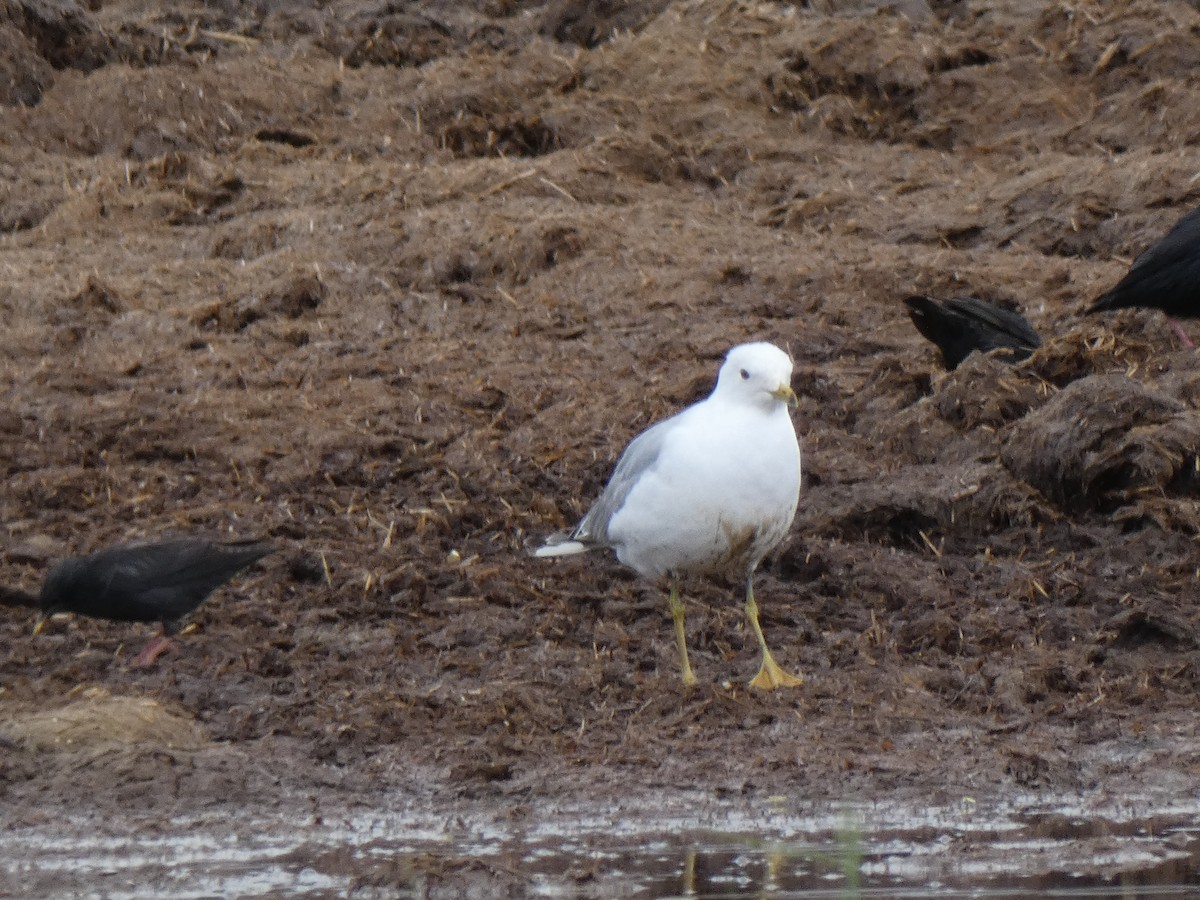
(566, 548)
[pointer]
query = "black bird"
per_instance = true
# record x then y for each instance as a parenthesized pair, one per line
(963, 324)
(1165, 276)
(160, 582)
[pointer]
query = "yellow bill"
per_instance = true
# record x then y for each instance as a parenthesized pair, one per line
(785, 393)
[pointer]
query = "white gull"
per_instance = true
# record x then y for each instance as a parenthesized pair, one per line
(710, 490)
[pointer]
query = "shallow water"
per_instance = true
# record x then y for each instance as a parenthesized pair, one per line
(1019, 850)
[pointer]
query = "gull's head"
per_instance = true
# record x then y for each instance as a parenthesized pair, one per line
(758, 374)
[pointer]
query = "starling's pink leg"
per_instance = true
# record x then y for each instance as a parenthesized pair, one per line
(1183, 335)
(152, 651)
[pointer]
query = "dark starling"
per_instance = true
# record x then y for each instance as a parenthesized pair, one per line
(160, 582)
(1165, 276)
(963, 324)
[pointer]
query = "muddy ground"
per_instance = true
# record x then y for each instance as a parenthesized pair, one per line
(392, 284)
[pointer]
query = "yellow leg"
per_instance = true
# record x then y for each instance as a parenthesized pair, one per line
(680, 638)
(770, 675)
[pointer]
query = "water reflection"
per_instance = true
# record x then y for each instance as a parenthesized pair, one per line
(738, 866)
(1030, 852)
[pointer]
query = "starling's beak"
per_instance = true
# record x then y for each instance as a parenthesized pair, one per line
(41, 625)
(785, 393)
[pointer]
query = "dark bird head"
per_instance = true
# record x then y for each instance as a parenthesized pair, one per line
(56, 589)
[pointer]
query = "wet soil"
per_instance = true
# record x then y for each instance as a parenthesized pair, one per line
(392, 284)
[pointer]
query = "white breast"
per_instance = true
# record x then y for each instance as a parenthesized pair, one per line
(722, 493)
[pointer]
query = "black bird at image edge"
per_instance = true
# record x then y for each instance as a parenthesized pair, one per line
(152, 582)
(963, 324)
(1165, 276)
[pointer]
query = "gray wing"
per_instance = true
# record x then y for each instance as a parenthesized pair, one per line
(641, 454)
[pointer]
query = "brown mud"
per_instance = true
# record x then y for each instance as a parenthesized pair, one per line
(392, 284)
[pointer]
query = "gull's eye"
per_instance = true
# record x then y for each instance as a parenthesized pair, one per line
(745, 375)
